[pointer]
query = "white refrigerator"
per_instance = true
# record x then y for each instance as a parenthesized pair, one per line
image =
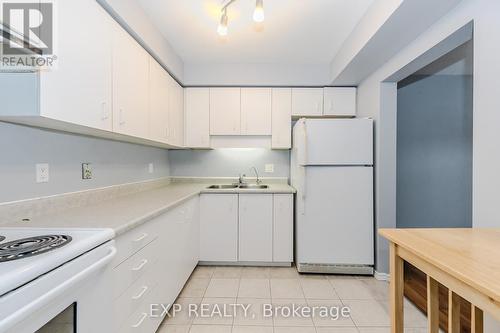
(332, 170)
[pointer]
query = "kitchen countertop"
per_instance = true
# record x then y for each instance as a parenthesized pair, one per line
(126, 212)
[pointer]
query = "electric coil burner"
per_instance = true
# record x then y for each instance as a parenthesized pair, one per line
(32, 246)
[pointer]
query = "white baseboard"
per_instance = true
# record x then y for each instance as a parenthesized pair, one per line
(382, 276)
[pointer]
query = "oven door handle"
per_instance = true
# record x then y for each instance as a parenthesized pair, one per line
(37, 304)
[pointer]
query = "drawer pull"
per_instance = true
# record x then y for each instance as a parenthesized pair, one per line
(143, 291)
(143, 236)
(143, 263)
(143, 317)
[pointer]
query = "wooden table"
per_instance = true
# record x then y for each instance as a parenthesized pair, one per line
(466, 261)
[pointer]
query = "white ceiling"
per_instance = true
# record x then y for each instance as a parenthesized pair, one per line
(294, 31)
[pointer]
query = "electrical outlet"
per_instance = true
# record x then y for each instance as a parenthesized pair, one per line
(151, 168)
(86, 171)
(42, 173)
(269, 168)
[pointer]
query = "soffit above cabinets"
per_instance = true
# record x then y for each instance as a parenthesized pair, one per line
(294, 31)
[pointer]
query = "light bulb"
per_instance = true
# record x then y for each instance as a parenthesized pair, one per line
(222, 28)
(258, 14)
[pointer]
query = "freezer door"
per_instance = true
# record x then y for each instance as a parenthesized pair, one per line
(335, 224)
(338, 142)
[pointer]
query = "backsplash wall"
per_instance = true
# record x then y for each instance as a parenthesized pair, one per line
(228, 162)
(112, 162)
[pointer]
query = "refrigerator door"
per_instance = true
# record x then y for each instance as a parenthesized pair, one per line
(335, 223)
(337, 142)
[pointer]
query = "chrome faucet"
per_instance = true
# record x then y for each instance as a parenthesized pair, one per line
(256, 174)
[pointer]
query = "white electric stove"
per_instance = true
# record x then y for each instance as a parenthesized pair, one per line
(50, 273)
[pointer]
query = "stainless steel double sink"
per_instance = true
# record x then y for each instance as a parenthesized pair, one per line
(241, 186)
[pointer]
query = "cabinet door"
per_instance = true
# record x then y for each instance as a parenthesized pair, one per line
(307, 102)
(283, 228)
(159, 84)
(256, 111)
(219, 227)
(225, 111)
(340, 101)
(282, 118)
(197, 117)
(79, 89)
(256, 227)
(176, 114)
(130, 85)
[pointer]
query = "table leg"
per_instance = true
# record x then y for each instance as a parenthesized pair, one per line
(477, 320)
(397, 290)
(453, 312)
(432, 305)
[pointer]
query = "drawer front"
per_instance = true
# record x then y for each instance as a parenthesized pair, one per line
(134, 240)
(132, 298)
(140, 320)
(133, 268)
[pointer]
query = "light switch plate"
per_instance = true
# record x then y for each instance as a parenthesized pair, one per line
(42, 173)
(269, 168)
(151, 168)
(86, 171)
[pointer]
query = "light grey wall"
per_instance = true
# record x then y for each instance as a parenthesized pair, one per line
(113, 162)
(228, 162)
(434, 152)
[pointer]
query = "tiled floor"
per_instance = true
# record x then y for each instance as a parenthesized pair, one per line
(366, 298)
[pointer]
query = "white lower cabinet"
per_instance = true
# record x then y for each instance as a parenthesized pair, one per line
(248, 227)
(255, 227)
(219, 227)
(156, 272)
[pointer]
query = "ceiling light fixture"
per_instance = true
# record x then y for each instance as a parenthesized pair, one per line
(258, 13)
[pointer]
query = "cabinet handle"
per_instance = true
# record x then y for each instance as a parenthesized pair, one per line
(141, 237)
(121, 118)
(141, 266)
(143, 291)
(104, 111)
(143, 317)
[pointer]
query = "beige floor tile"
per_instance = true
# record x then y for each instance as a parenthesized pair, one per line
(203, 272)
(294, 330)
(378, 289)
(414, 318)
(313, 276)
(255, 273)
(223, 272)
(182, 317)
(195, 288)
(252, 329)
(222, 288)
(254, 288)
(174, 329)
(216, 311)
(369, 313)
(286, 288)
(284, 273)
(345, 277)
(336, 330)
(283, 313)
(348, 289)
(210, 329)
(335, 319)
(318, 289)
(254, 315)
(374, 330)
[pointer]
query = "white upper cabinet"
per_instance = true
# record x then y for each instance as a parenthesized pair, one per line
(256, 111)
(281, 118)
(340, 101)
(176, 114)
(79, 90)
(307, 102)
(159, 86)
(130, 85)
(225, 115)
(197, 117)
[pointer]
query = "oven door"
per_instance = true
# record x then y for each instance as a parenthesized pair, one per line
(75, 297)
